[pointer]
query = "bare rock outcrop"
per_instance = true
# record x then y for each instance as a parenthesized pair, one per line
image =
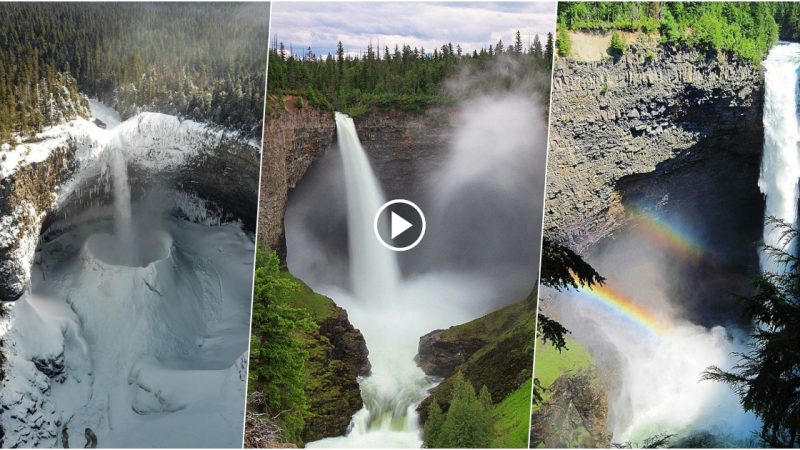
(575, 415)
(439, 356)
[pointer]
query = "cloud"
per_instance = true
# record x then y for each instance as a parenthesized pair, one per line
(423, 25)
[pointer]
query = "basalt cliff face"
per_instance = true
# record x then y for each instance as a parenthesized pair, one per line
(625, 130)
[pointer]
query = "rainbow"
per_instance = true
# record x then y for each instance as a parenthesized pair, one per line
(625, 307)
(667, 235)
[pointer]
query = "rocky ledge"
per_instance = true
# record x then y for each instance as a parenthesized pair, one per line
(439, 355)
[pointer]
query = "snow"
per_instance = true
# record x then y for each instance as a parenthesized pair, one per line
(156, 139)
(105, 113)
(153, 354)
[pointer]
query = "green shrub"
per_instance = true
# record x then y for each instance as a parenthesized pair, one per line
(563, 42)
(617, 44)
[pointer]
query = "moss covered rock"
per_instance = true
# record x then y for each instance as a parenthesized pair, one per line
(337, 356)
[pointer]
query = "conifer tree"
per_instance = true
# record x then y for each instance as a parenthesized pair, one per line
(433, 427)
(468, 422)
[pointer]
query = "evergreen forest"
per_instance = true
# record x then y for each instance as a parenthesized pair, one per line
(404, 77)
(204, 62)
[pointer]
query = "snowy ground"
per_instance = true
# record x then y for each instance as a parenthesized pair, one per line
(155, 139)
(145, 353)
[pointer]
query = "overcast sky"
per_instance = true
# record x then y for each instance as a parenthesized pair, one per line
(425, 24)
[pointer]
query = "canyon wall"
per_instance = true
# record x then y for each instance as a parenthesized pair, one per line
(293, 139)
(622, 125)
(25, 198)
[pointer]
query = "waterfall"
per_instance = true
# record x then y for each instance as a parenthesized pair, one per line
(383, 313)
(374, 273)
(123, 223)
(780, 166)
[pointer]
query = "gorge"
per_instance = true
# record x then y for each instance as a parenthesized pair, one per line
(669, 143)
(437, 159)
(134, 247)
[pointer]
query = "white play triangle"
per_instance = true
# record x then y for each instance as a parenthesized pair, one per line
(399, 225)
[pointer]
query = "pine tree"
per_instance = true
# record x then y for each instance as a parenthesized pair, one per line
(340, 58)
(537, 51)
(548, 50)
(433, 427)
(277, 356)
(468, 423)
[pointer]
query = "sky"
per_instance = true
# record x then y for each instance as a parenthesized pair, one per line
(422, 24)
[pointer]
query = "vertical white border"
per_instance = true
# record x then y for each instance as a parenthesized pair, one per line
(258, 211)
(538, 284)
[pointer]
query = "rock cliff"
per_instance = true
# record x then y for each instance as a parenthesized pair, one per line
(25, 199)
(652, 111)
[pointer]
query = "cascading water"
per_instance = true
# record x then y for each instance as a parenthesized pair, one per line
(122, 199)
(780, 166)
(395, 385)
(364, 197)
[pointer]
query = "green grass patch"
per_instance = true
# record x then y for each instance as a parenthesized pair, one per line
(551, 364)
(490, 326)
(511, 418)
(318, 306)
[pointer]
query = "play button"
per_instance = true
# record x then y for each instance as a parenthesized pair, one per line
(399, 225)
